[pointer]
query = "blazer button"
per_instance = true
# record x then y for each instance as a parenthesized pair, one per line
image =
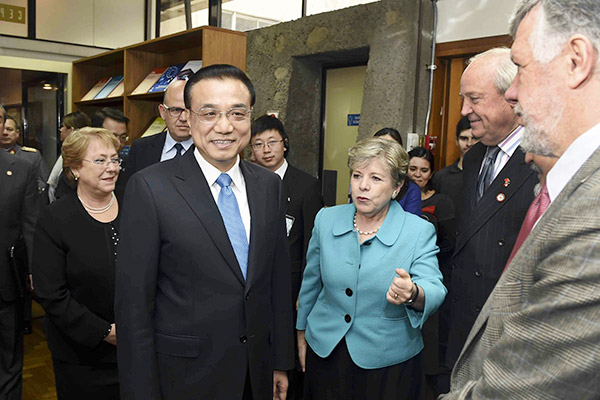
(454, 299)
(501, 242)
(347, 318)
(348, 292)
(453, 266)
(243, 339)
(247, 296)
(478, 273)
(478, 308)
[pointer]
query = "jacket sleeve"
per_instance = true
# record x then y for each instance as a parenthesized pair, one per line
(311, 282)
(411, 203)
(135, 290)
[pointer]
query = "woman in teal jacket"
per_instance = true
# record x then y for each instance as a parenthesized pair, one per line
(371, 280)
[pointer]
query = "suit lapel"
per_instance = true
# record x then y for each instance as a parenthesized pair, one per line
(155, 154)
(287, 183)
(495, 196)
(256, 202)
(192, 186)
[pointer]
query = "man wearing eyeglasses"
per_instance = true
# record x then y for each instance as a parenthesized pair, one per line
(302, 199)
(203, 277)
(170, 143)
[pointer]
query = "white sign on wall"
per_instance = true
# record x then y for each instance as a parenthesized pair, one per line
(13, 17)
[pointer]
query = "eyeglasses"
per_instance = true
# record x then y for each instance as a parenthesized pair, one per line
(123, 137)
(270, 144)
(103, 162)
(174, 112)
(210, 116)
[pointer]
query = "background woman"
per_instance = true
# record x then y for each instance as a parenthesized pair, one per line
(74, 269)
(410, 195)
(439, 210)
(370, 282)
(71, 122)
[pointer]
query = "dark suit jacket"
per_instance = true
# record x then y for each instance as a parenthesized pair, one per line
(189, 326)
(143, 153)
(486, 236)
(302, 196)
(19, 203)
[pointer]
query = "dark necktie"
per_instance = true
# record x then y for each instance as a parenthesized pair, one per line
(230, 212)
(179, 149)
(487, 172)
(536, 210)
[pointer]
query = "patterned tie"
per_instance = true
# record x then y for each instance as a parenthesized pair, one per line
(179, 149)
(487, 172)
(230, 212)
(536, 210)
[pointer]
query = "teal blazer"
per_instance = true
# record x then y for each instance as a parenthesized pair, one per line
(344, 288)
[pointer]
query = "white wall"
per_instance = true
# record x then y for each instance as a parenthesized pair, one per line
(471, 19)
(100, 23)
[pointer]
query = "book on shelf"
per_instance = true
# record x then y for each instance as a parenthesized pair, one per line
(119, 90)
(149, 80)
(156, 126)
(166, 78)
(96, 89)
(109, 87)
(189, 69)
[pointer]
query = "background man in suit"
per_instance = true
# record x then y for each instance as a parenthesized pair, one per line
(173, 142)
(537, 336)
(203, 279)
(303, 200)
(498, 191)
(19, 202)
(8, 141)
(113, 120)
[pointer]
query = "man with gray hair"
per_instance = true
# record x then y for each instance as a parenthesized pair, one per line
(538, 335)
(498, 190)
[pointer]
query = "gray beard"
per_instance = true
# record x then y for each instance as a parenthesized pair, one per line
(534, 140)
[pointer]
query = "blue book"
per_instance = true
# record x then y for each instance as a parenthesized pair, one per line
(166, 78)
(114, 81)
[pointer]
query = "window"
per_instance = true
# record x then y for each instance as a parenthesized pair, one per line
(321, 6)
(245, 15)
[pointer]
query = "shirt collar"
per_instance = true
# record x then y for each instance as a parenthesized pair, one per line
(389, 230)
(211, 173)
(512, 141)
(170, 142)
(281, 170)
(572, 159)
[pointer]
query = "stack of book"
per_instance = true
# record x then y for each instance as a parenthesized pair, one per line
(159, 78)
(111, 86)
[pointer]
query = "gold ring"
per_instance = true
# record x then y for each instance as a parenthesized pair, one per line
(395, 295)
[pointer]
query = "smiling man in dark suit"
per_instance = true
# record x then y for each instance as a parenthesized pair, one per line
(170, 143)
(302, 196)
(203, 279)
(498, 190)
(19, 203)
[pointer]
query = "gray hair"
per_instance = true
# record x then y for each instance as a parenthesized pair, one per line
(558, 20)
(391, 154)
(504, 69)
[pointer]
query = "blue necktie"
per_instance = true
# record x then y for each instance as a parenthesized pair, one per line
(487, 172)
(178, 149)
(230, 212)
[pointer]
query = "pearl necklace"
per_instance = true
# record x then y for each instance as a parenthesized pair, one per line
(100, 210)
(361, 232)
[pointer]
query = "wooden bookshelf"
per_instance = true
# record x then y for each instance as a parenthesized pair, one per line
(210, 44)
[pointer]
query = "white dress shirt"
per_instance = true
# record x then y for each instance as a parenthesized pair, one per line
(507, 148)
(169, 151)
(281, 170)
(572, 159)
(238, 186)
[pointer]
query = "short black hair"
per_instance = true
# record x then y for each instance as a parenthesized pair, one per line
(422, 152)
(217, 71)
(392, 132)
(462, 125)
(107, 112)
(17, 125)
(270, 123)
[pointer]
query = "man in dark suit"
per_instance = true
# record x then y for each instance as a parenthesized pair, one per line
(203, 281)
(302, 196)
(498, 191)
(171, 143)
(19, 202)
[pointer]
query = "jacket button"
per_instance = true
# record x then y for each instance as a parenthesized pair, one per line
(501, 242)
(454, 299)
(347, 318)
(243, 339)
(247, 296)
(348, 292)
(478, 273)
(478, 308)
(453, 266)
